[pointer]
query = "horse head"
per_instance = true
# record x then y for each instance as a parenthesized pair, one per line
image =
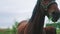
(51, 9)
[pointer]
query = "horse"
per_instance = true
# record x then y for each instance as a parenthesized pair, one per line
(47, 30)
(50, 30)
(42, 8)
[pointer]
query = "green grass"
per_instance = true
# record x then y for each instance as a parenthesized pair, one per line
(58, 31)
(8, 31)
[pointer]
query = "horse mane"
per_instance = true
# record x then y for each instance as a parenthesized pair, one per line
(36, 22)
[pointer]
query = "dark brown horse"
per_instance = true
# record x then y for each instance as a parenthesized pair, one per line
(46, 30)
(43, 8)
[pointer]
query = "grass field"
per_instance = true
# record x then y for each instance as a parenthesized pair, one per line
(8, 31)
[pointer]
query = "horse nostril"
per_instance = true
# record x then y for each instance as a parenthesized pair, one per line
(53, 13)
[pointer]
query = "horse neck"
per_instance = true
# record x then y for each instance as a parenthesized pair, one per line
(37, 23)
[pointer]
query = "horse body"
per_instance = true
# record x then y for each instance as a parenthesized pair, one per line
(21, 27)
(46, 30)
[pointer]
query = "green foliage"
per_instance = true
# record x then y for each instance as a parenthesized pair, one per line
(11, 31)
(14, 30)
(58, 31)
(56, 25)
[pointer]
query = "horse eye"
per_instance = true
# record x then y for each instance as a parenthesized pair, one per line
(53, 12)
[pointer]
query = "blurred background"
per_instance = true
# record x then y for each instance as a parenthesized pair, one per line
(14, 11)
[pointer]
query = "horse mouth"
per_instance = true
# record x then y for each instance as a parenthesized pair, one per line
(55, 16)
